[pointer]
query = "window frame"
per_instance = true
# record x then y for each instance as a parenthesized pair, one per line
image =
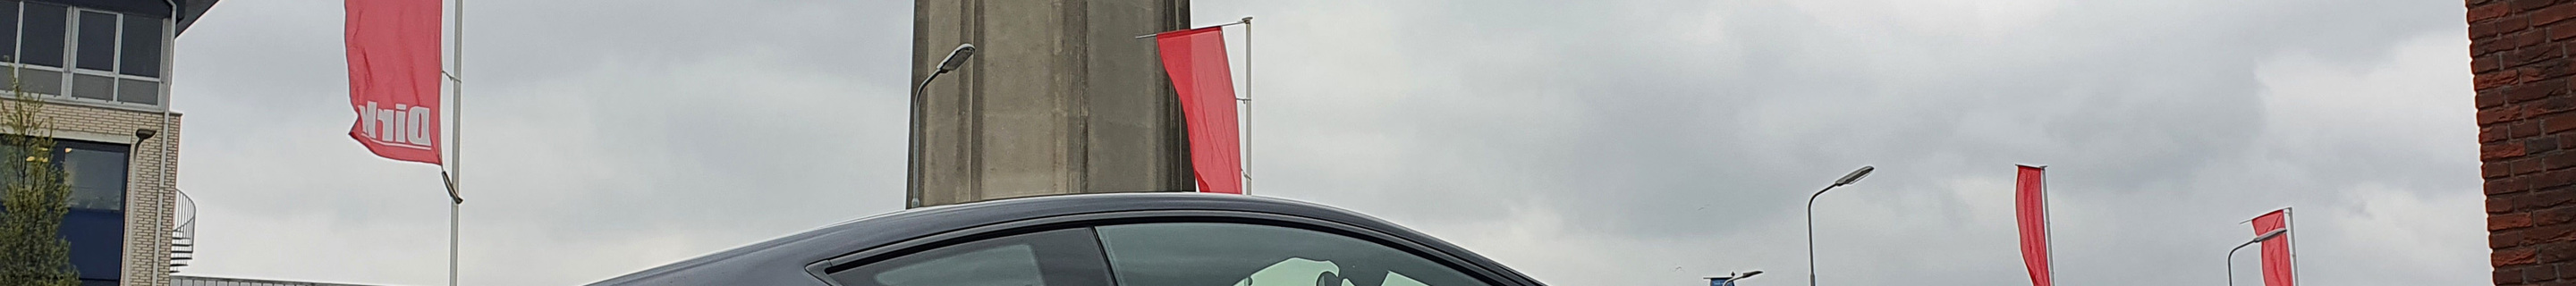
(124, 187)
(821, 270)
(70, 70)
(19, 55)
(116, 33)
(60, 157)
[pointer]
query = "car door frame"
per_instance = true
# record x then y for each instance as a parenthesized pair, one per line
(1490, 274)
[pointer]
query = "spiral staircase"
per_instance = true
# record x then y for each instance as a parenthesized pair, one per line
(183, 234)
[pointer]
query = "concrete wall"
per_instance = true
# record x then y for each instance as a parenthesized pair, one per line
(2517, 49)
(1062, 98)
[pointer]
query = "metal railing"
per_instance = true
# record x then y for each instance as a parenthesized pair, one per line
(183, 233)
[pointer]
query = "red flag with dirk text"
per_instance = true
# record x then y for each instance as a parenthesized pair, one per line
(2030, 202)
(393, 77)
(1196, 61)
(2277, 263)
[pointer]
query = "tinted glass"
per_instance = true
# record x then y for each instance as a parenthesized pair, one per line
(1068, 257)
(40, 81)
(93, 87)
(10, 171)
(41, 34)
(94, 171)
(97, 47)
(97, 174)
(1198, 254)
(8, 28)
(142, 47)
(138, 92)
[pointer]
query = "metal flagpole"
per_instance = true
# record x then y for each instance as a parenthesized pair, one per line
(1247, 105)
(2045, 215)
(456, 154)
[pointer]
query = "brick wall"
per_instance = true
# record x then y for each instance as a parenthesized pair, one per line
(149, 199)
(2517, 49)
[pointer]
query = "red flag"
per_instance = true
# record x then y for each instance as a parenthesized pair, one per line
(1195, 59)
(2276, 252)
(393, 77)
(2031, 202)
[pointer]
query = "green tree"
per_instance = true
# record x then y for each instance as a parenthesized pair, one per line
(38, 193)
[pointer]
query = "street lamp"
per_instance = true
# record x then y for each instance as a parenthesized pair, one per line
(912, 176)
(1730, 278)
(1811, 217)
(2231, 252)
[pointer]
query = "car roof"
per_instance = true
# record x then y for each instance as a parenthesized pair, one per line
(782, 261)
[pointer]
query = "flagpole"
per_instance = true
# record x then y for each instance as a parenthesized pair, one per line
(456, 154)
(2289, 220)
(2048, 236)
(1247, 106)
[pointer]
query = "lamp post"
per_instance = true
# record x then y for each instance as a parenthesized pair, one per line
(912, 171)
(1811, 217)
(1730, 278)
(2231, 252)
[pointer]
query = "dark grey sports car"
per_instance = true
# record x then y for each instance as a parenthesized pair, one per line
(1137, 239)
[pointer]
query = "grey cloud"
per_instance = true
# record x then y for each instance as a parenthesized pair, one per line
(1614, 116)
(1597, 142)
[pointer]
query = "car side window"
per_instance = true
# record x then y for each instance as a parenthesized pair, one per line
(1216, 254)
(1065, 257)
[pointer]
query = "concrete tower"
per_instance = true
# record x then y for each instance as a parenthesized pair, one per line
(1060, 98)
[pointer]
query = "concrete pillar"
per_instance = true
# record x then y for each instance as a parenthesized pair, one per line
(1061, 98)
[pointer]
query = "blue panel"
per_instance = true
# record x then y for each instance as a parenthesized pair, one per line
(98, 242)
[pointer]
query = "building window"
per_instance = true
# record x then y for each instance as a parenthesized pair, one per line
(83, 54)
(97, 173)
(95, 222)
(41, 29)
(92, 86)
(40, 80)
(9, 28)
(97, 41)
(141, 48)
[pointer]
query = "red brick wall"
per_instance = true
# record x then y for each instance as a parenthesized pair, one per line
(2517, 49)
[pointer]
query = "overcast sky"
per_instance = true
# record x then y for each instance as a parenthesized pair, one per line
(1582, 142)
